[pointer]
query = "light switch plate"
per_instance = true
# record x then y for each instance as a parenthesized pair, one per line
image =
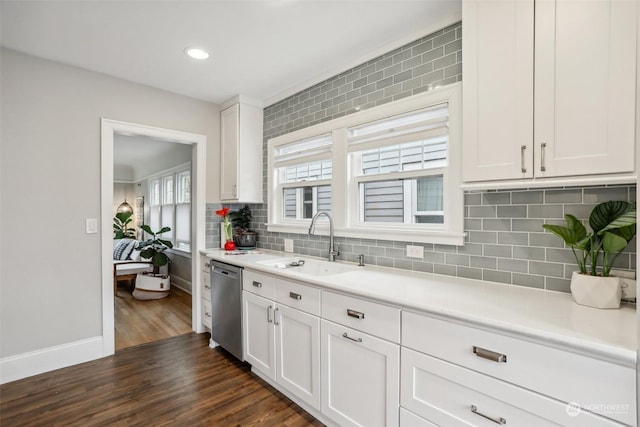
(288, 245)
(91, 225)
(415, 251)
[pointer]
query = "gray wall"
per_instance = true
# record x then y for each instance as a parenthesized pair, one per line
(505, 241)
(50, 290)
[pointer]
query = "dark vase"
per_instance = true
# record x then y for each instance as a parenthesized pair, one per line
(246, 239)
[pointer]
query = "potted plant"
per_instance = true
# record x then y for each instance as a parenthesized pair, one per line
(154, 248)
(121, 223)
(223, 213)
(244, 237)
(613, 225)
(153, 285)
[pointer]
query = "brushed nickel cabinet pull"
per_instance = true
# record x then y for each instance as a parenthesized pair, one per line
(543, 161)
(207, 265)
(257, 284)
(269, 320)
(207, 314)
(523, 167)
(356, 314)
(345, 335)
(275, 317)
(497, 420)
(489, 354)
(207, 286)
(293, 295)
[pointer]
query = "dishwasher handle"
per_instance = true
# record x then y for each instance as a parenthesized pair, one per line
(221, 271)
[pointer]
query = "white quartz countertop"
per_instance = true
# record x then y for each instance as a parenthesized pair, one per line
(547, 316)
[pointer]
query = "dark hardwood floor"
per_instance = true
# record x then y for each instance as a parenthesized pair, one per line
(139, 322)
(177, 381)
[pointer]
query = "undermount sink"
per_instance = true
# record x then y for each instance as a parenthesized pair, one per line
(307, 266)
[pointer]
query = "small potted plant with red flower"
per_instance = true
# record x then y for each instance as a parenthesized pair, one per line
(224, 214)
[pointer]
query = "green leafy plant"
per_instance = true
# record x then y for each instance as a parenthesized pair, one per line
(155, 247)
(613, 225)
(241, 218)
(121, 226)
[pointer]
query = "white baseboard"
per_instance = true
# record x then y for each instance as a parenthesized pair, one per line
(24, 365)
(181, 283)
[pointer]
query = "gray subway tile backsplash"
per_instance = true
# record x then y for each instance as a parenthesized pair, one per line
(505, 242)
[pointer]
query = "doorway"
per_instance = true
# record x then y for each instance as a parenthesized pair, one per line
(152, 186)
(111, 130)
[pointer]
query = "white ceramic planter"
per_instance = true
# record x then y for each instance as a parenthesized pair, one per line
(596, 291)
(151, 287)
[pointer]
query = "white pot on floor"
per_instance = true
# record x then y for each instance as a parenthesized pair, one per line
(596, 291)
(149, 286)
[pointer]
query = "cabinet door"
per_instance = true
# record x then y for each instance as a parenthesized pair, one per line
(497, 89)
(585, 79)
(360, 377)
(258, 333)
(229, 143)
(298, 354)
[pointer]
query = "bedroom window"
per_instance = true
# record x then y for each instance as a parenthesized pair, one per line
(170, 205)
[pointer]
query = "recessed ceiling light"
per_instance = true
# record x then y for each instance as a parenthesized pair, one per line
(196, 52)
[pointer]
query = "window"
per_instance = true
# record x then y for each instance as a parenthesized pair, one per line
(304, 170)
(390, 172)
(399, 164)
(170, 206)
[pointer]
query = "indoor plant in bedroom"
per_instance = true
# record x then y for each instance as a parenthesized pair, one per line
(244, 237)
(613, 225)
(153, 285)
(121, 223)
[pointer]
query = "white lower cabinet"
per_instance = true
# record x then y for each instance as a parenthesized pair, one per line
(409, 419)
(258, 333)
(452, 396)
(298, 353)
(284, 345)
(360, 377)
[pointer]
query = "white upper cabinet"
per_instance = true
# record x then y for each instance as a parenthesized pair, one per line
(560, 104)
(241, 152)
(585, 98)
(497, 45)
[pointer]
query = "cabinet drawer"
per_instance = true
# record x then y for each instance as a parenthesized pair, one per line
(204, 263)
(205, 316)
(376, 319)
(409, 419)
(564, 375)
(259, 284)
(302, 297)
(205, 286)
(452, 396)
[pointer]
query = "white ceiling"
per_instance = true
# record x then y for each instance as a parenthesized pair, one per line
(136, 157)
(263, 49)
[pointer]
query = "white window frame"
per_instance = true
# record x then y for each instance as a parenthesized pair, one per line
(345, 197)
(161, 178)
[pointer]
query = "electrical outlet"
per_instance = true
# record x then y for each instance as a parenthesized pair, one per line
(415, 251)
(288, 245)
(627, 283)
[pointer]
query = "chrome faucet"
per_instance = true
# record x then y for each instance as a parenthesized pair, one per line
(333, 251)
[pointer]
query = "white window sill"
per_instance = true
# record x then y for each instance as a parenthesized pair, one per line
(403, 235)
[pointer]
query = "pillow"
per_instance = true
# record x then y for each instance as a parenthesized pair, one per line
(123, 249)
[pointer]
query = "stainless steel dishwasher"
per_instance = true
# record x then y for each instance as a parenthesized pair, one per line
(226, 307)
